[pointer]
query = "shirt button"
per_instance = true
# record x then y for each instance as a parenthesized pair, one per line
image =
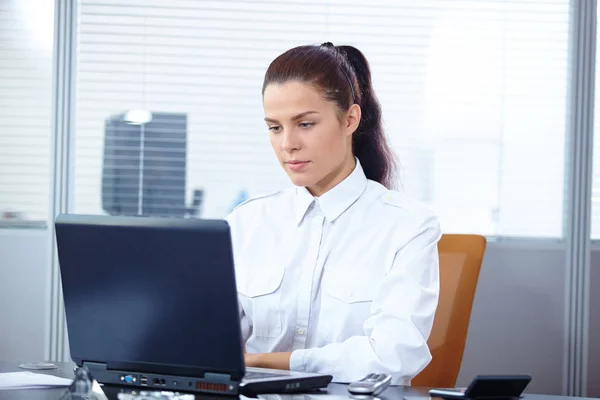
(300, 331)
(349, 294)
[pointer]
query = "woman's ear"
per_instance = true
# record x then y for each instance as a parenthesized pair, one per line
(352, 119)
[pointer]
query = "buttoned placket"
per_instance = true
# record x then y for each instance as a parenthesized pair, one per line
(314, 222)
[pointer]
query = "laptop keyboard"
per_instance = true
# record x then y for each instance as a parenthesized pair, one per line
(261, 375)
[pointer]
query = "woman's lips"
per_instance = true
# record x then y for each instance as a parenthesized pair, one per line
(297, 165)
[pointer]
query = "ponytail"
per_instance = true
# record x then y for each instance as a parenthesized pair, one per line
(369, 142)
(343, 75)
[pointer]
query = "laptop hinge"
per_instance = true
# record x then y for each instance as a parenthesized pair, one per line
(214, 377)
(94, 366)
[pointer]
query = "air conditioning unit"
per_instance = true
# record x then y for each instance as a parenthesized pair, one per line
(144, 170)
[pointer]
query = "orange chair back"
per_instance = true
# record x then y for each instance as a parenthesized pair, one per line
(460, 262)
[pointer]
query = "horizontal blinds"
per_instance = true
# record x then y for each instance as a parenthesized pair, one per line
(473, 96)
(26, 30)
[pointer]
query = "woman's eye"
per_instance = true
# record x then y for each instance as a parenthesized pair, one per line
(305, 124)
(275, 128)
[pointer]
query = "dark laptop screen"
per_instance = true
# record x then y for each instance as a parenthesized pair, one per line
(150, 291)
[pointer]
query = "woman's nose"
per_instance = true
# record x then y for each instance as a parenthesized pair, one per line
(290, 141)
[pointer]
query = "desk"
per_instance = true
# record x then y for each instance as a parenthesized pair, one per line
(334, 391)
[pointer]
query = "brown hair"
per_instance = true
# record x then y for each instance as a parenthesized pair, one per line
(343, 76)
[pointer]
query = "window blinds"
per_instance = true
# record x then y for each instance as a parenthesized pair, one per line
(26, 30)
(473, 96)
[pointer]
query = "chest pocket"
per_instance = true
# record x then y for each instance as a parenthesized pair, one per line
(260, 296)
(346, 303)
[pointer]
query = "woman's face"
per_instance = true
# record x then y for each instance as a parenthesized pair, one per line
(312, 141)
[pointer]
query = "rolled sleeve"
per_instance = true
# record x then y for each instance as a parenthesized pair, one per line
(298, 360)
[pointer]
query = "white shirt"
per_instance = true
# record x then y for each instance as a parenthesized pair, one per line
(348, 282)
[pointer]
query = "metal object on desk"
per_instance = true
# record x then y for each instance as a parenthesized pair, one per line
(84, 387)
(370, 385)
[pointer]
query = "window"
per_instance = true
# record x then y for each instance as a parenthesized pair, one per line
(469, 90)
(26, 32)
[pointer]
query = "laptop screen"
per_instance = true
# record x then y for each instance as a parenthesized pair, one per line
(152, 293)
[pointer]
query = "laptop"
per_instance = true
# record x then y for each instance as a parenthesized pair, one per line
(152, 302)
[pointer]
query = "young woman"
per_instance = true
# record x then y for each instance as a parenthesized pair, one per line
(339, 274)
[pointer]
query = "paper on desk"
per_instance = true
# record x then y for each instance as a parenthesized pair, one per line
(27, 379)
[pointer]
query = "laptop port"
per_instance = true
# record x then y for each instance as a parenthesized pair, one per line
(143, 381)
(128, 378)
(156, 381)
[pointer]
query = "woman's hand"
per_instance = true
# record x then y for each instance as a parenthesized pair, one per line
(268, 360)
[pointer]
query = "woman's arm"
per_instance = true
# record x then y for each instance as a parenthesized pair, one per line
(269, 360)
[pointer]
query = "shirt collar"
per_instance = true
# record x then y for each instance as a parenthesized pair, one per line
(335, 201)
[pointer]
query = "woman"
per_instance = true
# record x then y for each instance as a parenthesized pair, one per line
(339, 274)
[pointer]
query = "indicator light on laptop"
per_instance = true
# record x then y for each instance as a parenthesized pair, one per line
(212, 387)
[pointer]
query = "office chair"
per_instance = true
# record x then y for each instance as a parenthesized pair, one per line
(460, 262)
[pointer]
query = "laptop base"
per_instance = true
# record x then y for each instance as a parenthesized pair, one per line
(210, 383)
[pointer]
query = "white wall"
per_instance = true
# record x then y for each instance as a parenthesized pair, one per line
(594, 327)
(24, 293)
(517, 322)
